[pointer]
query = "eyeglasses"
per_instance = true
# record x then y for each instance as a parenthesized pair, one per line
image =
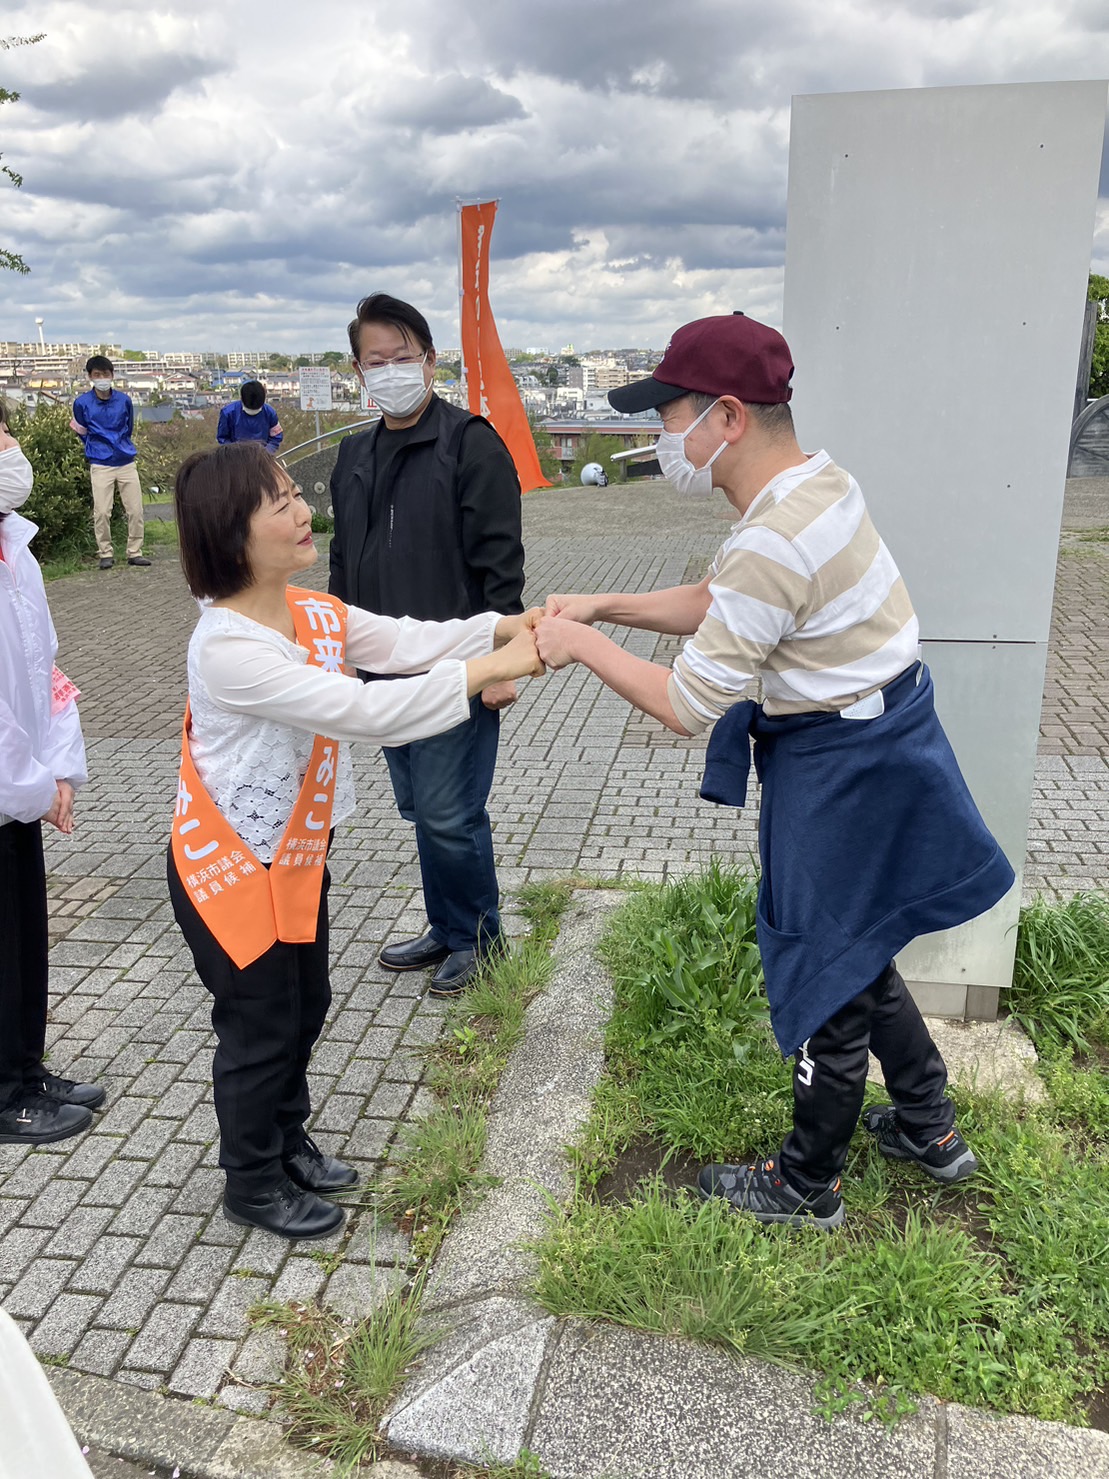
(397, 359)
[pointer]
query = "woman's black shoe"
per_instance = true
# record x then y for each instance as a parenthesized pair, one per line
(35, 1119)
(288, 1211)
(314, 1171)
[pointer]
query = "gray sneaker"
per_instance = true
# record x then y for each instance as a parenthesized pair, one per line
(759, 1190)
(948, 1158)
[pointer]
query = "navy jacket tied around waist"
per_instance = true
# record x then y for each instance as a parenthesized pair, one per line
(868, 837)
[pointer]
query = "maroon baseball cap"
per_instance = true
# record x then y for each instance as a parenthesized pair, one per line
(729, 354)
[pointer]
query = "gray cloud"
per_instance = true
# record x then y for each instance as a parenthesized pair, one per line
(451, 104)
(256, 180)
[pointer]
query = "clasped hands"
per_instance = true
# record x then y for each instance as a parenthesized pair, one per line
(551, 630)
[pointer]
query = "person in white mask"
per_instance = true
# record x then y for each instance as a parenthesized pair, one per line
(427, 525)
(868, 835)
(42, 764)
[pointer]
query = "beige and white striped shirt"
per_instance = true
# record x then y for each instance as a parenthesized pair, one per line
(804, 595)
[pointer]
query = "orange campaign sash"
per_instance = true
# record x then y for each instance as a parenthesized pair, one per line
(246, 906)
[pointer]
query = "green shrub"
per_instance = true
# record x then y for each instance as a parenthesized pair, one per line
(61, 500)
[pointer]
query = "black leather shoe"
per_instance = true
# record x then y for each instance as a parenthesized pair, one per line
(461, 966)
(106, 564)
(137, 560)
(36, 1120)
(314, 1171)
(414, 955)
(287, 1210)
(68, 1091)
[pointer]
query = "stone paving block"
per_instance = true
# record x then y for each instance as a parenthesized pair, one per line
(63, 1327)
(174, 1166)
(338, 1114)
(100, 1351)
(79, 1233)
(54, 1203)
(170, 1240)
(100, 1271)
(301, 1279)
(250, 1400)
(202, 1368)
(18, 1248)
(388, 1101)
(37, 1288)
(92, 1154)
(115, 1187)
(163, 1337)
(358, 1289)
(23, 1173)
(473, 1401)
(361, 1075)
(980, 1446)
(133, 1299)
(147, 1141)
(202, 1193)
(370, 1138)
(379, 1042)
(226, 1314)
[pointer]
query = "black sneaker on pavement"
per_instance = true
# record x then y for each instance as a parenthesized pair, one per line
(759, 1190)
(35, 1119)
(947, 1158)
(69, 1091)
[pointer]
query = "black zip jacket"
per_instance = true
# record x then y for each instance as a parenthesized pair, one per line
(427, 520)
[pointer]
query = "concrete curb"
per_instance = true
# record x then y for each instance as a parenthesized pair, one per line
(597, 1401)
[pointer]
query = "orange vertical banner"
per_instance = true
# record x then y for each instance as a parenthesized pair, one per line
(492, 391)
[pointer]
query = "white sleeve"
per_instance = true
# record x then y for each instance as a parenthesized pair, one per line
(247, 676)
(387, 644)
(27, 786)
(66, 747)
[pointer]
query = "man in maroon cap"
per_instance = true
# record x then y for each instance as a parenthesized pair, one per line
(868, 835)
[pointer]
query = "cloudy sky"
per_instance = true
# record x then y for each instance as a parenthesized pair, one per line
(237, 175)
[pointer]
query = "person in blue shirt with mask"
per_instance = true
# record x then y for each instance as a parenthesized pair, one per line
(250, 419)
(104, 418)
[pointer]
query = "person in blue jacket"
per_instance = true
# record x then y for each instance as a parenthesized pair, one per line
(250, 419)
(104, 418)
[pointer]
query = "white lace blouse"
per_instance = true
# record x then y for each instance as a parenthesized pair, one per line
(257, 704)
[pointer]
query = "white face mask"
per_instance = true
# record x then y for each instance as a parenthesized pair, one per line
(257, 410)
(102, 387)
(397, 389)
(692, 482)
(16, 478)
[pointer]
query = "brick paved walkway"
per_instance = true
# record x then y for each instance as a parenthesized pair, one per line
(113, 1253)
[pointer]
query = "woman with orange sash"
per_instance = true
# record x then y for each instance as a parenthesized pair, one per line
(264, 779)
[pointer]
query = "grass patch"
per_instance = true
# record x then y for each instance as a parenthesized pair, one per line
(340, 1374)
(993, 1293)
(1060, 990)
(437, 1159)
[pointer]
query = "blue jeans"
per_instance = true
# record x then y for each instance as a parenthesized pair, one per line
(442, 785)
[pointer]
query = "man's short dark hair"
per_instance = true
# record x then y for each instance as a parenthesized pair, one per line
(379, 308)
(252, 393)
(99, 362)
(776, 421)
(215, 495)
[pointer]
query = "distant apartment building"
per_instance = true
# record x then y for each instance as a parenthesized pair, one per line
(246, 359)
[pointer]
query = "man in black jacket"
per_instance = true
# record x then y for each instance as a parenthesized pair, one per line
(427, 524)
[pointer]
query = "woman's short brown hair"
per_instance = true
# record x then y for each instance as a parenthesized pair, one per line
(215, 496)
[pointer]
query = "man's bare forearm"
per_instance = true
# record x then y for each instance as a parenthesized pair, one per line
(642, 683)
(677, 611)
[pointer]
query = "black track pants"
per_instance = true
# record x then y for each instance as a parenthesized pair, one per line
(829, 1077)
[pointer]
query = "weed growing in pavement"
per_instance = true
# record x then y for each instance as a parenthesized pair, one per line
(527, 1466)
(994, 1292)
(340, 1374)
(438, 1155)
